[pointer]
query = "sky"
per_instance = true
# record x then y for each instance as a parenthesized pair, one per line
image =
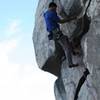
(20, 77)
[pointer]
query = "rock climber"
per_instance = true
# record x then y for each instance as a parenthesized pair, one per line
(53, 22)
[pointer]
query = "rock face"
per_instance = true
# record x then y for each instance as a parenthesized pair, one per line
(83, 82)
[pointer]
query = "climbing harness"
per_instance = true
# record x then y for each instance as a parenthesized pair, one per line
(56, 34)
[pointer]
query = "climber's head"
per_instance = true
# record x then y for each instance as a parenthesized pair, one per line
(52, 6)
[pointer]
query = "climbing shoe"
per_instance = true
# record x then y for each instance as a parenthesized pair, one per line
(77, 51)
(73, 65)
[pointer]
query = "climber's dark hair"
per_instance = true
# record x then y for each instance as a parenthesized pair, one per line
(52, 4)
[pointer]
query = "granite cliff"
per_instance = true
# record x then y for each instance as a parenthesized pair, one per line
(83, 82)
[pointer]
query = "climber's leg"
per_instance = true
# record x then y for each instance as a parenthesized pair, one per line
(59, 52)
(65, 45)
(64, 42)
(77, 48)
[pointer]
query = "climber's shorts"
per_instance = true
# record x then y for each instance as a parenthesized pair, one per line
(55, 34)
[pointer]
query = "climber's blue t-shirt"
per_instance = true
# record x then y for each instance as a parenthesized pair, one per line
(51, 20)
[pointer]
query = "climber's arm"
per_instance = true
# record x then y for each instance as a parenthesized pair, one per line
(61, 21)
(57, 19)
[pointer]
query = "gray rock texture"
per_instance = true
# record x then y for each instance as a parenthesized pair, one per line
(69, 84)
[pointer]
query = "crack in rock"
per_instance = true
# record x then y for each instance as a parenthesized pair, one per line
(81, 82)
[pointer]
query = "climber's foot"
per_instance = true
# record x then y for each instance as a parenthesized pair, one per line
(73, 65)
(77, 51)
